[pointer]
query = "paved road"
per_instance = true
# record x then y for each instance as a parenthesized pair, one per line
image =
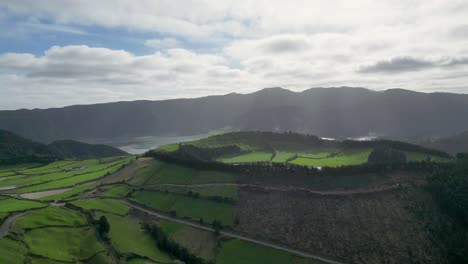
(232, 235)
(285, 188)
(8, 222)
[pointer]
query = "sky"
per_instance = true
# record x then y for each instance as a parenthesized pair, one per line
(55, 53)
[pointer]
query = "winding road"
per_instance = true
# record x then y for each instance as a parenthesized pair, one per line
(232, 235)
(8, 222)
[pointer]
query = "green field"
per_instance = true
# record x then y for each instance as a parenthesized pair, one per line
(249, 157)
(104, 205)
(230, 192)
(115, 191)
(341, 159)
(73, 243)
(199, 242)
(70, 194)
(128, 237)
(236, 251)
(12, 251)
(187, 206)
(170, 173)
(51, 216)
(14, 205)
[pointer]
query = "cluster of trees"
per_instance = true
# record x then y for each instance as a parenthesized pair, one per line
(194, 152)
(383, 155)
(103, 226)
(449, 187)
(171, 247)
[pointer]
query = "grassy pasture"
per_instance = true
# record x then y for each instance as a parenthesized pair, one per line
(67, 182)
(171, 173)
(115, 191)
(11, 251)
(231, 192)
(249, 157)
(70, 194)
(236, 251)
(63, 244)
(104, 205)
(51, 216)
(341, 159)
(199, 242)
(187, 206)
(13, 205)
(16, 167)
(128, 237)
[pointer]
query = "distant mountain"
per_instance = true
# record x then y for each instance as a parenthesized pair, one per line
(454, 144)
(327, 112)
(16, 149)
(70, 149)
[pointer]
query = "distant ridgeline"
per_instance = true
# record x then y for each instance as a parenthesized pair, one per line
(16, 149)
(243, 147)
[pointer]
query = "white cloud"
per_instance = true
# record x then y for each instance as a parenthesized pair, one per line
(296, 44)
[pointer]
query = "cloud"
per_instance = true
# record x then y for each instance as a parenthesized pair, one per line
(162, 43)
(397, 65)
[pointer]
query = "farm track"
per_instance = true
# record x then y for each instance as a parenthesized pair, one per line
(231, 235)
(284, 189)
(8, 222)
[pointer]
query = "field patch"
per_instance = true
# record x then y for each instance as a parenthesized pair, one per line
(198, 242)
(14, 205)
(236, 251)
(115, 191)
(51, 216)
(171, 173)
(11, 251)
(249, 157)
(187, 206)
(230, 192)
(69, 193)
(340, 159)
(104, 205)
(128, 236)
(64, 244)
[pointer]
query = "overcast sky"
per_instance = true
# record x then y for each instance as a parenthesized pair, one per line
(55, 53)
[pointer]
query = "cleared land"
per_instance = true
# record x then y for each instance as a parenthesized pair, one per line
(103, 205)
(51, 216)
(14, 205)
(185, 206)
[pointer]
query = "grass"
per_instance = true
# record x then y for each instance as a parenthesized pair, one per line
(249, 157)
(11, 251)
(128, 237)
(171, 173)
(70, 194)
(51, 216)
(231, 192)
(201, 243)
(64, 244)
(239, 252)
(341, 159)
(187, 206)
(14, 205)
(115, 191)
(104, 205)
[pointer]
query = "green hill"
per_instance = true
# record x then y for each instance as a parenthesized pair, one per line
(70, 149)
(16, 149)
(241, 147)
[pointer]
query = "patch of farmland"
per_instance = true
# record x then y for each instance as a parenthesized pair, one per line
(115, 191)
(63, 244)
(14, 205)
(128, 237)
(236, 251)
(248, 157)
(69, 193)
(51, 216)
(199, 242)
(104, 205)
(12, 251)
(230, 192)
(171, 173)
(185, 206)
(341, 159)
